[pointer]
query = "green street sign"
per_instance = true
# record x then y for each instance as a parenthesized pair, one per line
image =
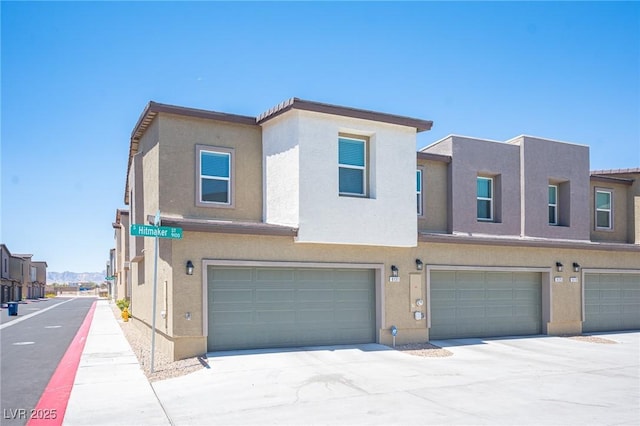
(155, 231)
(110, 278)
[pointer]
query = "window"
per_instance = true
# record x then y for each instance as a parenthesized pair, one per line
(603, 209)
(215, 172)
(484, 198)
(352, 166)
(419, 191)
(553, 204)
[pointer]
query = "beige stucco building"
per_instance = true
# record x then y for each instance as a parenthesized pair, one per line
(22, 277)
(315, 224)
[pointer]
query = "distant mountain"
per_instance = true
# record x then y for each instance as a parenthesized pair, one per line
(67, 277)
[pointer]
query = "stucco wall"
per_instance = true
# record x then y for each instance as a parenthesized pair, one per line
(435, 196)
(177, 159)
(281, 160)
(385, 217)
(472, 158)
(547, 162)
(618, 233)
(4, 267)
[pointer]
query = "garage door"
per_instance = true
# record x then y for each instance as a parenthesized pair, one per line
(484, 304)
(612, 302)
(279, 307)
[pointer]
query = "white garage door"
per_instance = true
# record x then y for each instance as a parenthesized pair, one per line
(612, 302)
(280, 307)
(485, 304)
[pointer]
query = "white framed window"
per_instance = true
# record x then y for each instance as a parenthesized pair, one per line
(352, 166)
(553, 204)
(484, 198)
(419, 191)
(214, 176)
(604, 209)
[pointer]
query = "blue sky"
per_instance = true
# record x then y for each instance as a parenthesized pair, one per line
(76, 76)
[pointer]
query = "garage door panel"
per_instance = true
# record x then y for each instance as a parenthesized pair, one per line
(274, 275)
(317, 316)
(276, 316)
(239, 274)
(232, 296)
(500, 312)
(470, 294)
(314, 294)
(484, 304)
(612, 302)
(467, 278)
(314, 275)
(289, 307)
(274, 295)
(229, 318)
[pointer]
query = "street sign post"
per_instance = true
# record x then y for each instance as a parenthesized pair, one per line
(155, 231)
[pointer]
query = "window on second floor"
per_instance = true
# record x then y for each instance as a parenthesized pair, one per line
(604, 209)
(553, 204)
(484, 197)
(352, 166)
(419, 191)
(214, 176)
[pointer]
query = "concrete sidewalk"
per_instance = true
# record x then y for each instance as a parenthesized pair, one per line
(110, 388)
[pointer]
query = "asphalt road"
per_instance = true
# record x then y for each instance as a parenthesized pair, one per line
(32, 349)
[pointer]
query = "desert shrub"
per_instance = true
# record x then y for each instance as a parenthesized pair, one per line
(122, 303)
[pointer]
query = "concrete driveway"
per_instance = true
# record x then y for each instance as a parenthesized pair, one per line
(526, 380)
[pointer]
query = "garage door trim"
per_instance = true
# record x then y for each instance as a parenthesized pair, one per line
(547, 288)
(378, 268)
(585, 271)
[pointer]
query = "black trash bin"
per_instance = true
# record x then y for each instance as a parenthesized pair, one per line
(13, 308)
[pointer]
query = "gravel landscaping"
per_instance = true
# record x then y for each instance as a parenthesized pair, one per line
(164, 368)
(427, 350)
(592, 339)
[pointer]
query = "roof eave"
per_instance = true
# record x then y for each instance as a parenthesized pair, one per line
(227, 227)
(301, 104)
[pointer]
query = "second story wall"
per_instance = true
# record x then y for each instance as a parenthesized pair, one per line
(484, 186)
(4, 266)
(190, 145)
(555, 182)
(41, 271)
(16, 269)
(615, 207)
(610, 219)
(302, 179)
(435, 178)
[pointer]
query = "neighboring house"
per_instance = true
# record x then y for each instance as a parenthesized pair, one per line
(120, 258)
(28, 276)
(40, 282)
(16, 272)
(9, 282)
(22, 278)
(316, 224)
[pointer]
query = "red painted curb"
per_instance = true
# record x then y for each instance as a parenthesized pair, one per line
(52, 406)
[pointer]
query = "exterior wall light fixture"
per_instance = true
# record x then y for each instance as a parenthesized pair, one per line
(189, 267)
(559, 266)
(394, 271)
(576, 267)
(419, 264)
